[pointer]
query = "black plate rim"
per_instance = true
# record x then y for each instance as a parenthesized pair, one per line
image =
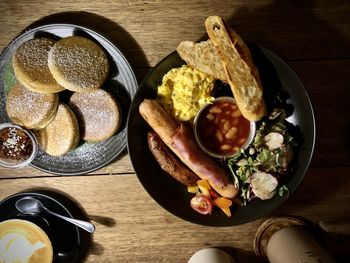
(312, 113)
(132, 93)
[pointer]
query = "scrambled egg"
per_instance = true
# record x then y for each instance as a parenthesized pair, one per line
(184, 91)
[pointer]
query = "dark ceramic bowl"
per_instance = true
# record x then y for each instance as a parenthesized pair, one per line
(278, 79)
(249, 140)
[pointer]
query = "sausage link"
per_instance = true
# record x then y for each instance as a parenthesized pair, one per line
(168, 162)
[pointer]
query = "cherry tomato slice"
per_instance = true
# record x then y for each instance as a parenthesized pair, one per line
(202, 204)
(213, 194)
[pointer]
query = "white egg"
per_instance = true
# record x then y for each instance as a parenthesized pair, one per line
(211, 255)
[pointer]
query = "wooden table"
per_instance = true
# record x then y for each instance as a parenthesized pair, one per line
(313, 37)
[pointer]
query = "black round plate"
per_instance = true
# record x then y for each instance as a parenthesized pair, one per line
(122, 83)
(173, 196)
(64, 236)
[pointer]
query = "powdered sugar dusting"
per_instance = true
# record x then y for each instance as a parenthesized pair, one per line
(97, 112)
(31, 60)
(59, 136)
(28, 108)
(82, 64)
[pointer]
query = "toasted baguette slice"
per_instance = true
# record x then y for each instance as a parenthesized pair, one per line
(202, 56)
(239, 68)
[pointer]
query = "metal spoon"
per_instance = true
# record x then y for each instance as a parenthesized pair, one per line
(34, 206)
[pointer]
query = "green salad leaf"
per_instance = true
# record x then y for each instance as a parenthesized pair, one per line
(260, 158)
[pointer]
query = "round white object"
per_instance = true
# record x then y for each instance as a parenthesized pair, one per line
(294, 244)
(211, 255)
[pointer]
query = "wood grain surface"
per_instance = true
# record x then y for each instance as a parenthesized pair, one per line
(313, 37)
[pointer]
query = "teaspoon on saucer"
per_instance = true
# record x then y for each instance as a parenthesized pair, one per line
(32, 205)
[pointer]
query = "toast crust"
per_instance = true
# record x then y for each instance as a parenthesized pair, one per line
(239, 68)
(203, 57)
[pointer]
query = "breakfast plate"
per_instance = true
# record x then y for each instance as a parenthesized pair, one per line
(121, 82)
(65, 237)
(276, 77)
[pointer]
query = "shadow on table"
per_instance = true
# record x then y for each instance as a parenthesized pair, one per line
(304, 30)
(107, 28)
(315, 38)
(240, 255)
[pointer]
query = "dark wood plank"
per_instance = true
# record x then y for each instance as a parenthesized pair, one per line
(327, 83)
(120, 165)
(147, 31)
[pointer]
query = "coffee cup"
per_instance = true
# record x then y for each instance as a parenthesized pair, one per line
(211, 255)
(24, 241)
(294, 244)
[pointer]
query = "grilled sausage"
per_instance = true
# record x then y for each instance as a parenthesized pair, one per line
(168, 162)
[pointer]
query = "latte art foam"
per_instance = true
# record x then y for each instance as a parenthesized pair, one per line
(15, 247)
(22, 241)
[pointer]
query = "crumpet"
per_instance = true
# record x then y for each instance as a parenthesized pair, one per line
(78, 64)
(61, 135)
(30, 66)
(30, 109)
(98, 114)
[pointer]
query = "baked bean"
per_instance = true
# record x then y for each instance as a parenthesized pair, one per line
(232, 132)
(210, 117)
(241, 141)
(225, 147)
(219, 136)
(226, 125)
(215, 109)
(236, 114)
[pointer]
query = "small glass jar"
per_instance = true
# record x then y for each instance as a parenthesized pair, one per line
(220, 129)
(18, 146)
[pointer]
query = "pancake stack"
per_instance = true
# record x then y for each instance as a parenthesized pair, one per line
(43, 69)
